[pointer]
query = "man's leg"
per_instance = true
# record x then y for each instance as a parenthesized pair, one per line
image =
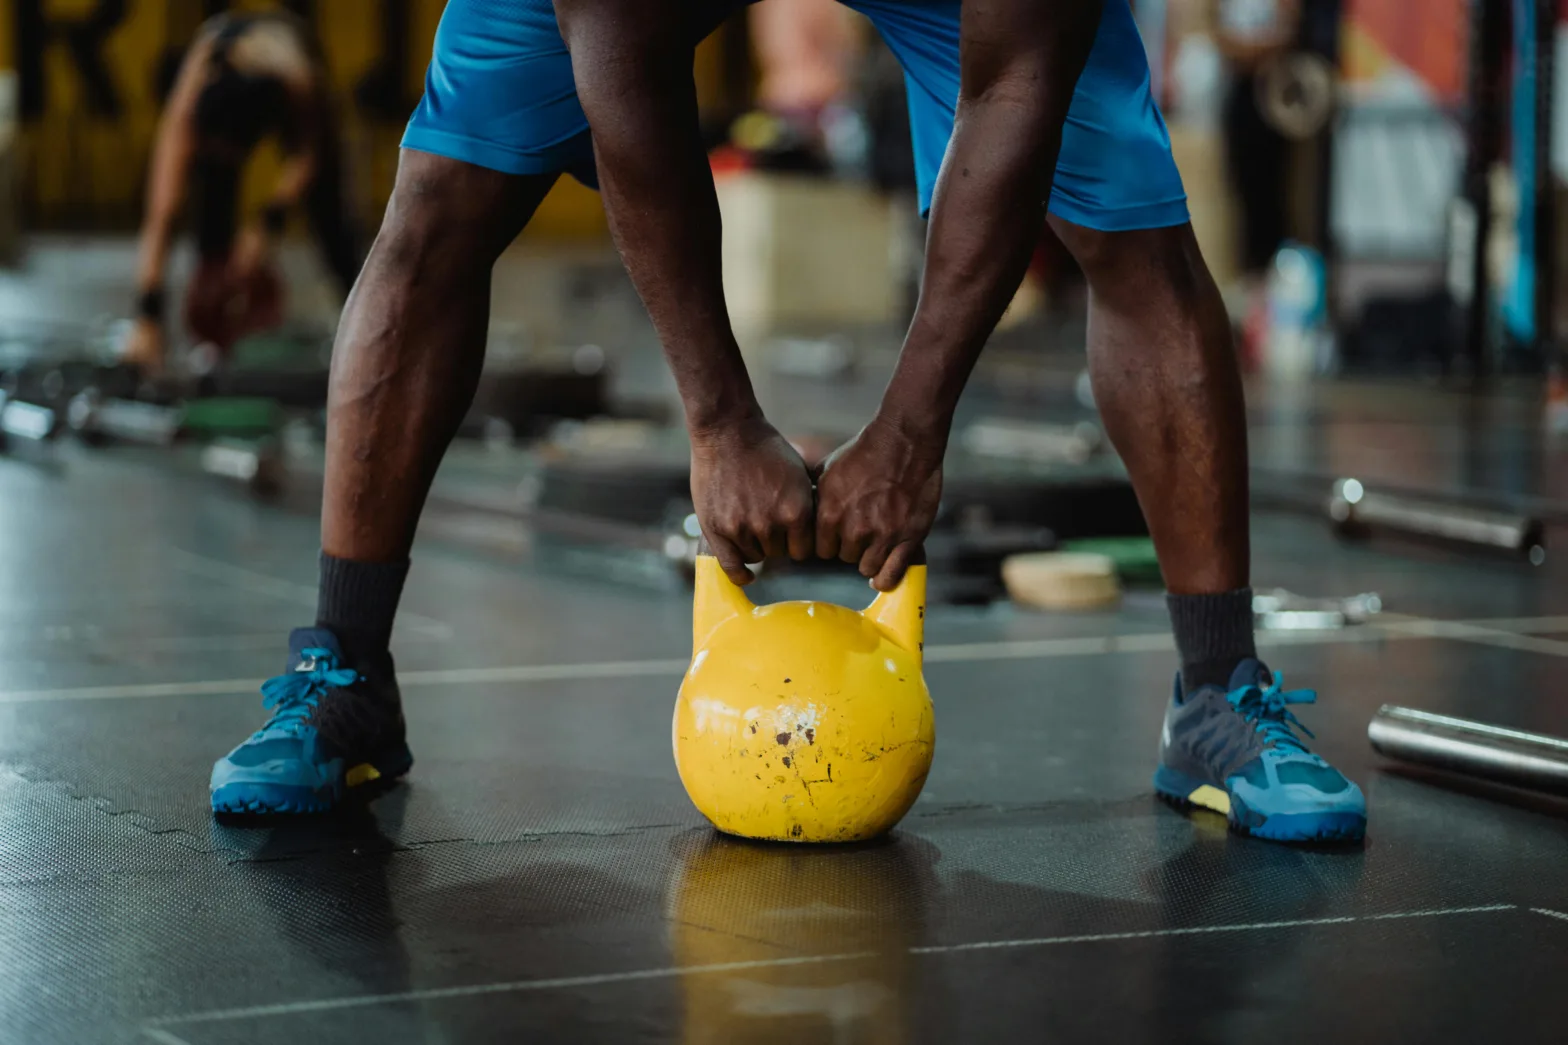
(404, 369)
(498, 123)
(1169, 391)
(410, 346)
(1168, 388)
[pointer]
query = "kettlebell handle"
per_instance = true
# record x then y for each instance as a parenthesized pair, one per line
(900, 613)
(917, 559)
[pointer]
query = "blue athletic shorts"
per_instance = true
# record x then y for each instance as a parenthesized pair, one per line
(499, 94)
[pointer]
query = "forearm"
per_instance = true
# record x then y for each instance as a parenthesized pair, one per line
(632, 62)
(165, 192)
(985, 221)
(152, 255)
(1021, 64)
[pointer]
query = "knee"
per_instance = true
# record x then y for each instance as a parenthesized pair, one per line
(440, 220)
(1162, 262)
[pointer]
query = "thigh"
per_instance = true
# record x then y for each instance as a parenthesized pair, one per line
(499, 92)
(1156, 270)
(1115, 170)
(448, 212)
(923, 35)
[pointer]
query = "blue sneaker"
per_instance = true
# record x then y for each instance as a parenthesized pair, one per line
(1236, 753)
(332, 729)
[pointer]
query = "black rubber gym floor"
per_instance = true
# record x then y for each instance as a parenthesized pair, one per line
(541, 876)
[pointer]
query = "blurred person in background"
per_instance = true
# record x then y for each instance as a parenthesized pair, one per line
(246, 78)
(1251, 34)
(805, 52)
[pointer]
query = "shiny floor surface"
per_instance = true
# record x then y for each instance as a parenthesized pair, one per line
(542, 877)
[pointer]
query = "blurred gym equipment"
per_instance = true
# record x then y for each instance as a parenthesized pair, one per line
(1508, 756)
(1357, 511)
(1296, 94)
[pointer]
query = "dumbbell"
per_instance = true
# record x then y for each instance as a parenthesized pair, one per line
(97, 420)
(26, 422)
(257, 464)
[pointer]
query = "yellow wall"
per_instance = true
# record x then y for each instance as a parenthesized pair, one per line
(88, 171)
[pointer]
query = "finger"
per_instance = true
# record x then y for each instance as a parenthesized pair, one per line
(800, 539)
(875, 555)
(749, 546)
(851, 548)
(827, 537)
(776, 541)
(731, 561)
(897, 564)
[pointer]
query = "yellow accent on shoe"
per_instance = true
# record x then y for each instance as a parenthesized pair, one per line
(1211, 798)
(363, 773)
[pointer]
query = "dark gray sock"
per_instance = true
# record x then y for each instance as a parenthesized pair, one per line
(1213, 635)
(358, 602)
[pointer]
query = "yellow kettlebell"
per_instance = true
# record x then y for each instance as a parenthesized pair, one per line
(804, 721)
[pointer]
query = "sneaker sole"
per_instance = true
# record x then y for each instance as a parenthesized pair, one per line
(246, 799)
(1186, 793)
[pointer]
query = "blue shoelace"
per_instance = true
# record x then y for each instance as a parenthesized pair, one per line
(1266, 710)
(293, 696)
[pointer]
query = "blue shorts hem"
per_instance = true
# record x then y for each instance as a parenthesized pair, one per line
(570, 157)
(1162, 215)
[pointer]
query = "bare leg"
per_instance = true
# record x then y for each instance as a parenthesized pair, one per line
(404, 370)
(1168, 387)
(1166, 380)
(410, 347)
